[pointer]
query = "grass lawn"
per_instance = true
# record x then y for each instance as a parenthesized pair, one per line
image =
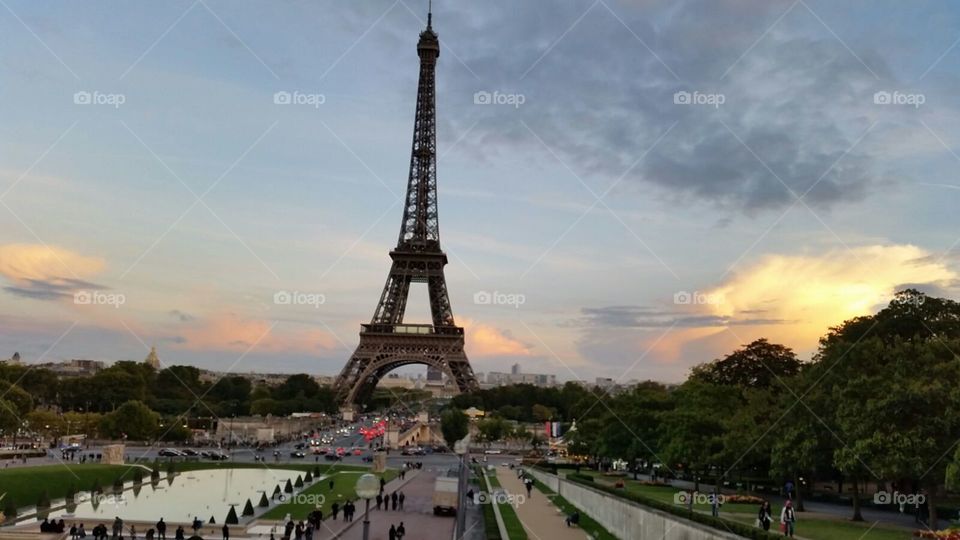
(594, 529)
(810, 528)
(24, 485)
(344, 484)
(823, 529)
(511, 522)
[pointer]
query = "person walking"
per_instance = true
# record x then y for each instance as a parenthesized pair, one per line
(73, 532)
(180, 534)
(715, 503)
(788, 519)
(226, 532)
(400, 499)
(335, 508)
(161, 530)
(379, 500)
(763, 516)
(401, 531)
(393, 500)
(117, 527)
(133, 532)
(392, 534)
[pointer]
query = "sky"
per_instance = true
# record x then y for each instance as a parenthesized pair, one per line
(626, 188)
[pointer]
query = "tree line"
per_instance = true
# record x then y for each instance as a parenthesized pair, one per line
(878, 404)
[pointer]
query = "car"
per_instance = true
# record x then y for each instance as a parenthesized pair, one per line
(170, 452)
(357, 451)
(332, 457)
(190, 452)
(297, 454)
(492, 452)
(299, 446)
(368, 459)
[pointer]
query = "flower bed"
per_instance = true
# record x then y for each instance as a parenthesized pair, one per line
(946, 534)
(743, 499)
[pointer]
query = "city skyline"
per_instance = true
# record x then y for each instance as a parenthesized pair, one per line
(625, 216)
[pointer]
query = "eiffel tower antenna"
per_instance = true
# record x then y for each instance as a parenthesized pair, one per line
(387, 342)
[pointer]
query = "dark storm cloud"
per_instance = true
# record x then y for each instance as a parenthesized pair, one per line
(38, 289)
(795, 104)
(647, 317)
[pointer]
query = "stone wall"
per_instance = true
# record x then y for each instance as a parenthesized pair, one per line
(627, 519)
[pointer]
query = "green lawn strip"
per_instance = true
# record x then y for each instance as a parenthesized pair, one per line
(511, 522)
(666, 494)
(344, 488)
(24, 485)
(491, 531)
(825, 529)
(594, 529)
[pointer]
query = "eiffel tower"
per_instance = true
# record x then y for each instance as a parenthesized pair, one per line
(387, 342)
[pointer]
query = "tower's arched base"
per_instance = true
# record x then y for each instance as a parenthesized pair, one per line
(380, 352)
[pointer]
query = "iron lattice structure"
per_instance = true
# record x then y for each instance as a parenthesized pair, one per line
(387, 343)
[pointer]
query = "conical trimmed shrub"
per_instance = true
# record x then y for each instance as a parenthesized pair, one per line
(248, 508)
(213, 521)
(96, 488)
(299, 482)
(44, 500)
(316, 472)
(308, 477)
(276, 491)
(71, 493)
(231, 517)
(263, 501)
(10, 508)
(138, 476)
(289, 487)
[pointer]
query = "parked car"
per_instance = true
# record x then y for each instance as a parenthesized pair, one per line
(170, 452)
(332, 457)
(190, 452)
(297, 454)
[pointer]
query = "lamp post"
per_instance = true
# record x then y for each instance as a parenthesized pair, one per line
(367, 488)
(461, 449)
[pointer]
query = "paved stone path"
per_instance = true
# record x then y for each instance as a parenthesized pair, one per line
(417, 515)
(541, 519)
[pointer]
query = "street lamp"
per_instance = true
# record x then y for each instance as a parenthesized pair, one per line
(368, 486)
(462, 449)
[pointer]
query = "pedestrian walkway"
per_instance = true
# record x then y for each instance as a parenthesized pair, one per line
(539, 517)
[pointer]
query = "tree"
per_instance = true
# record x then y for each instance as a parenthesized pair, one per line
(20, 398)
(759, 364)
(454, 425)
(9, 417)
(542, 413)
(133, 419)
(492, 429)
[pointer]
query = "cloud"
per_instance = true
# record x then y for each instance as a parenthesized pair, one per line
(484, 340)
(789, 299)
(37, 271)
(181, 316)
(794, 109)
(232, 332)
(25, 262)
